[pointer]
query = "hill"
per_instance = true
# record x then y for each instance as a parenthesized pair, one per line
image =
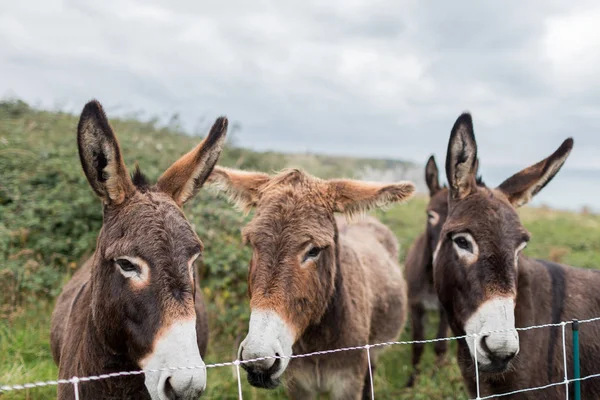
(49, 219)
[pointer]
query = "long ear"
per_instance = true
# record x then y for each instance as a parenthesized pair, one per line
(461, 159)
(183, 179)
(432, 176)
(522, 186)
(353, 197)
(241, 186)
(101, 157)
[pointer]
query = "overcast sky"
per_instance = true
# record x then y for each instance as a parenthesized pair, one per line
(357, 77)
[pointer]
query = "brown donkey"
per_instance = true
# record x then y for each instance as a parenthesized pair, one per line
(487, 288)
(419, 270)
(317, 282)
(135, 304)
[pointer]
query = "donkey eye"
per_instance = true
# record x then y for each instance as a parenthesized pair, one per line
(463, 243)
(126, 265)
(312, 253)
(432, 217)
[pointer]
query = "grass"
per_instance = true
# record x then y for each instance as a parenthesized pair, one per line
(49, 220)
(24, 344)
(565, 237)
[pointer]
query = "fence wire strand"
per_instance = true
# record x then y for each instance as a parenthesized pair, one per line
(75, 381)
(565, 362)
(239, 378)
(476, 367)
(370, 373)
(75, 387)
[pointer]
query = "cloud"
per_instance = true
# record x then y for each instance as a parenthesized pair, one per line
(373, 78)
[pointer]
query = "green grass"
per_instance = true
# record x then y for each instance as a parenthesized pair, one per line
(568, 237)
(49, 220)
(24, 344)
(25, 350)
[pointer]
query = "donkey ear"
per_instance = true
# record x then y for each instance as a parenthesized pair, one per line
(241, 186)
(432, 176)
(101, 157)
(522, 186)
(353, 197)
(183, 179)
(461, 158)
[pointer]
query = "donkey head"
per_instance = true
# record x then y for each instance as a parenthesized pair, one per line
(143, 276)
(437, 209)
(476, 261)
(292, 274)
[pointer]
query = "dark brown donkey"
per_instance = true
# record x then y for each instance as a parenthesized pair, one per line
(487, 288)
(419, 270)
(317, 282)
(135, 304)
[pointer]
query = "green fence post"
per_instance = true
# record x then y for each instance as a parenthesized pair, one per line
(576, 370)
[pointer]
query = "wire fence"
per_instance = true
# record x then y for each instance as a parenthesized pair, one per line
(76, 381)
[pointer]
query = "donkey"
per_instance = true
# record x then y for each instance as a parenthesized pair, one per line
(317, 282)
(419, 270)
(136, 304)
(488, 289)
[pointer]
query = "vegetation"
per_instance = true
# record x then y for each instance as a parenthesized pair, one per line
(49, 219)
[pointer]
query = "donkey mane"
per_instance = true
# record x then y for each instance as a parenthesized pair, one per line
(288, 176)
(140, 180)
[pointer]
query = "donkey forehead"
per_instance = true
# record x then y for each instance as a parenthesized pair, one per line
(488, 215)
(150, 225)
(291, 214)
(439, 201)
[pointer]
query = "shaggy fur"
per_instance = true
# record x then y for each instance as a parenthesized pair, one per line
(103, 323)
(544, 292)
(352, 294)
(419, 270)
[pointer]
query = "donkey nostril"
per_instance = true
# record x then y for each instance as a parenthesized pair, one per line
(275, 367)
(509, 357)
(496, 355)
(245, 366)
(169, 391)
(484, 345)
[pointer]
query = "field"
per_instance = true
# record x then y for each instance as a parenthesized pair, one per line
(49, 219)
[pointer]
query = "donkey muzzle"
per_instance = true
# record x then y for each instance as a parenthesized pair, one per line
(499, 350)
(180, 385)
(266, 349)
(495, 341)
(174, 369)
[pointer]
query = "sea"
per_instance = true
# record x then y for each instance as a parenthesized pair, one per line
(571, 189)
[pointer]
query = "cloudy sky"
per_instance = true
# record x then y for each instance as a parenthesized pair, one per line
(357, 77)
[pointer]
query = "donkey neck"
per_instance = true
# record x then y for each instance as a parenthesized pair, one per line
(89, 355)
(541, 292)
(540, 297)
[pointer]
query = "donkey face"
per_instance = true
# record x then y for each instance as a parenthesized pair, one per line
(437, 209)
(143, 278)
(476, 262)
(292, 273)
